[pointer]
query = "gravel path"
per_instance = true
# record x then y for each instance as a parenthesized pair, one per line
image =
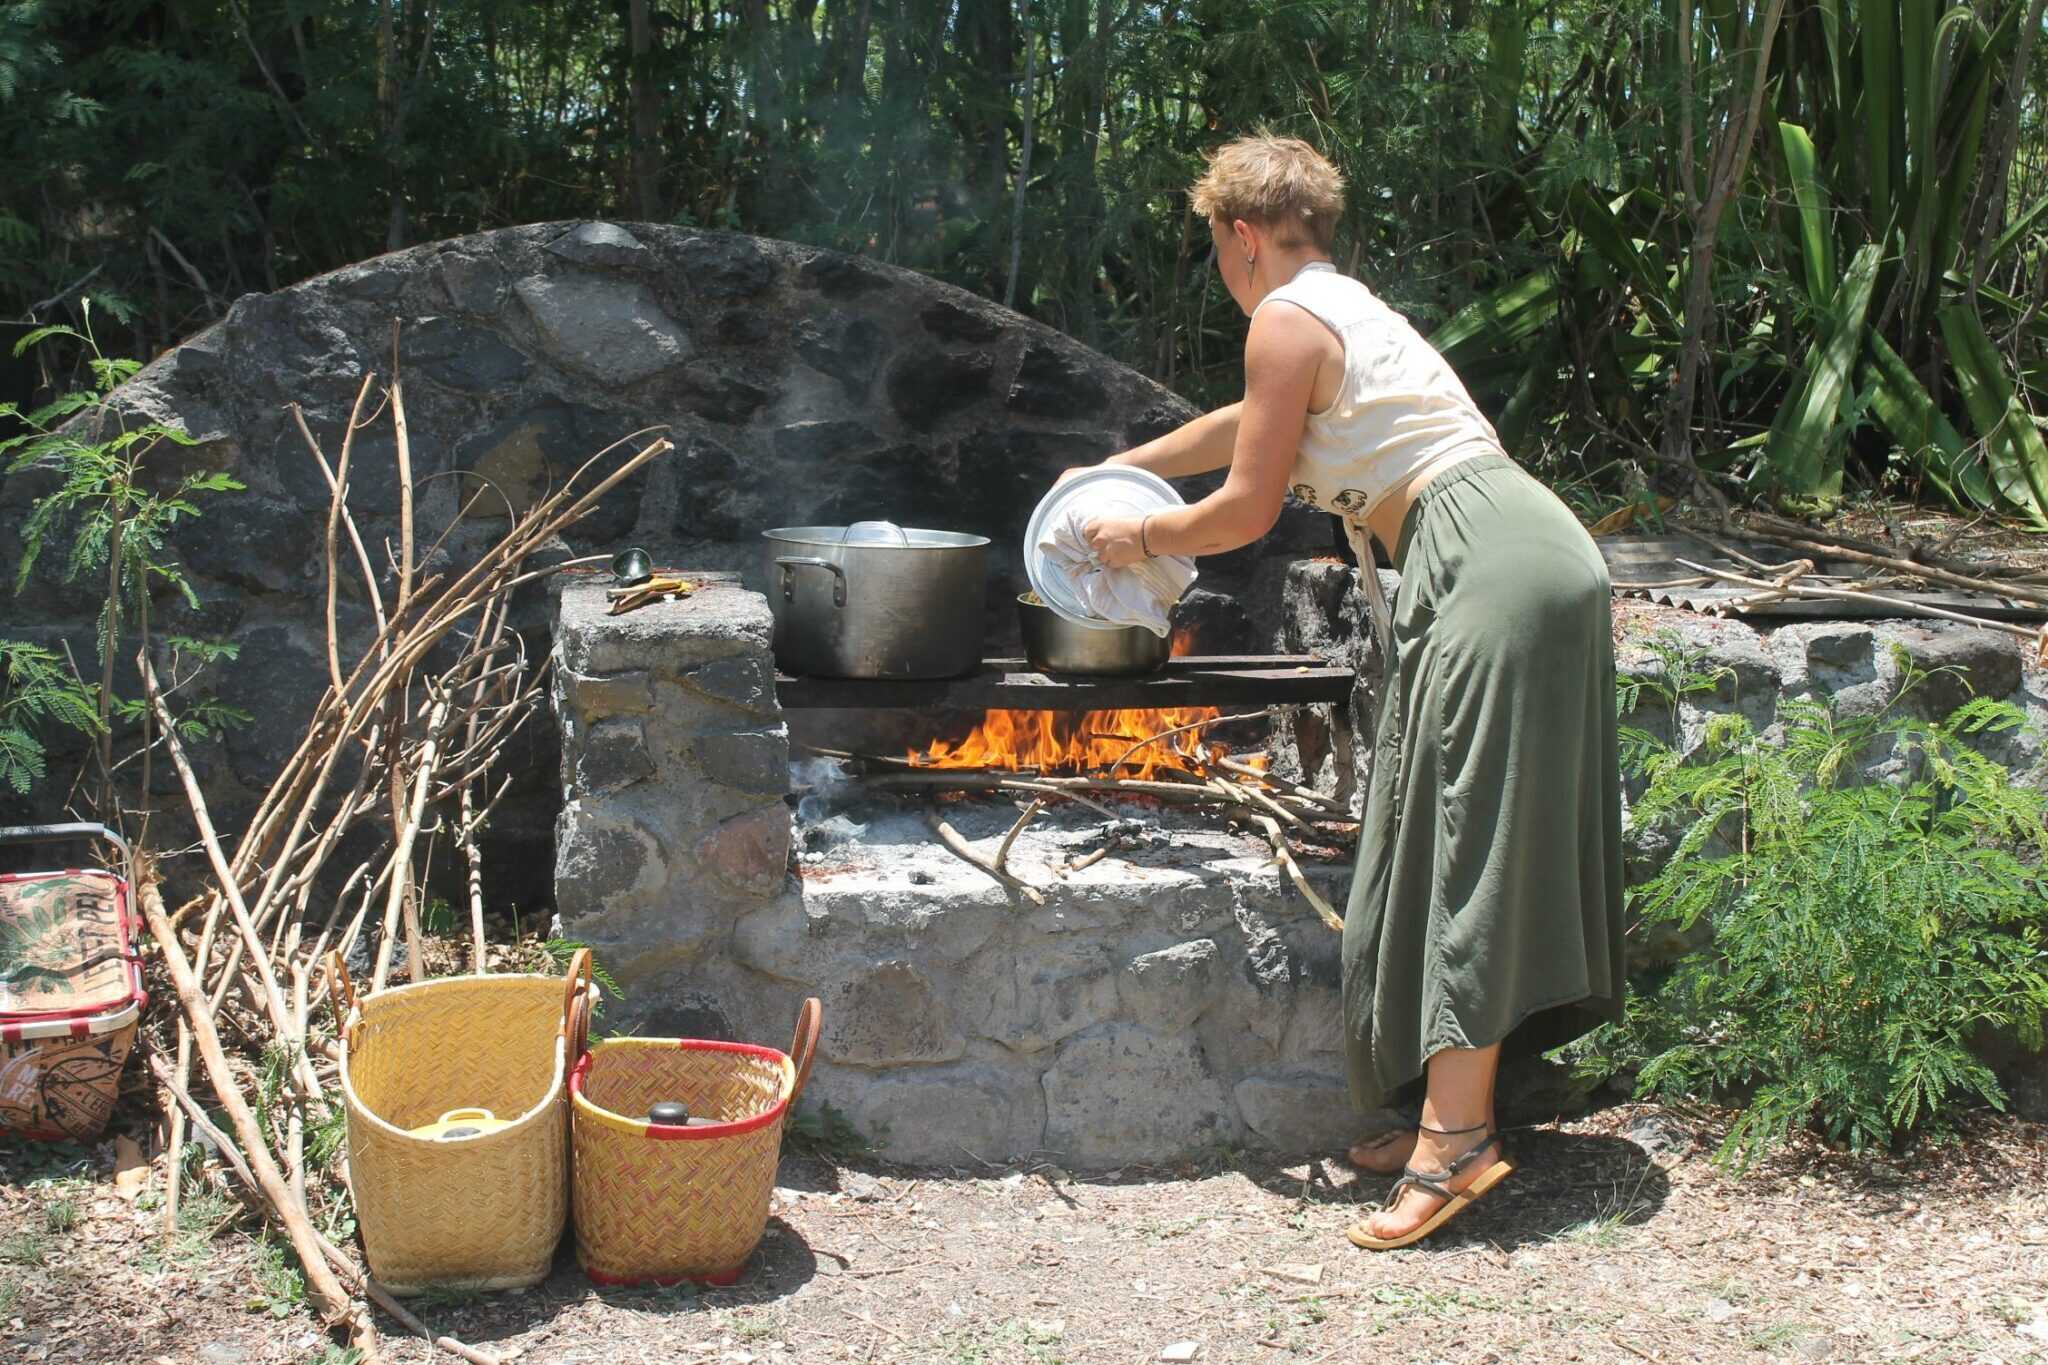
(1616, 1241)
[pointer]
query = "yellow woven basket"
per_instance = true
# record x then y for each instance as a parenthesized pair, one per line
(482, 1212)
(662, 1203)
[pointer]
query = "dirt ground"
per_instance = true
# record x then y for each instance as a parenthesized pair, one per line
(1616, 1241)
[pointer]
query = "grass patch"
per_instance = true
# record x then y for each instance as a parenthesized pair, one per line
(1614, 1213)
(26, 1247)
(61, 1215)
(1406, 1301)
(280, 1289)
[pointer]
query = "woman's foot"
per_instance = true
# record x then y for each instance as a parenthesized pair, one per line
(1383, 1153)
(1456, 1171)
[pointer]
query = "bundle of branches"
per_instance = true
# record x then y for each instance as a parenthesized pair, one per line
(1208, 779)
(402, 747)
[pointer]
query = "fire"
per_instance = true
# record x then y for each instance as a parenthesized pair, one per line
(1055, 741)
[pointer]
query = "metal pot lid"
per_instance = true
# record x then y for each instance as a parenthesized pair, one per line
(874, 535)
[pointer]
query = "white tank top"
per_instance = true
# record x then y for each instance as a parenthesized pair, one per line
(1400, 410)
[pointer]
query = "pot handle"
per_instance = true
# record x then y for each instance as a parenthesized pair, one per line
(789, 564)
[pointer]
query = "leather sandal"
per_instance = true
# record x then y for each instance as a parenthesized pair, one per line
(1438, 1184)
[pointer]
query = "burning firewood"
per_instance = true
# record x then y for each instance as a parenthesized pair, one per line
(1178, 774)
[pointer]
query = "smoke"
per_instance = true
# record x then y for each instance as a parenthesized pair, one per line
(822, 782)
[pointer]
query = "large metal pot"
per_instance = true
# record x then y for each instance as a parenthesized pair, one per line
(876, 600)
(1053, 644)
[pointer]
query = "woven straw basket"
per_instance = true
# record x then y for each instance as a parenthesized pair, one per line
(483, 1212)
(658, 1203)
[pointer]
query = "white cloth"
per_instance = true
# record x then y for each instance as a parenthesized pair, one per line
(1140, 595)
(1400, 410)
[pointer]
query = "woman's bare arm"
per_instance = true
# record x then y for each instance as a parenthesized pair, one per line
(1286, 349)
(1195, 447)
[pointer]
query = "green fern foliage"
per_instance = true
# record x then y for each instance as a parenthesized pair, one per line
(1866, 932)
(36, 691)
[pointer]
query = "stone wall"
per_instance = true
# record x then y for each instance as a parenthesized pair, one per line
(1857, 664)
(800, 386)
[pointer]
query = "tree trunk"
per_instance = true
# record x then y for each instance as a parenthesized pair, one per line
(646, 116)
(1023, 166)
(388, 64)
(1740, 114)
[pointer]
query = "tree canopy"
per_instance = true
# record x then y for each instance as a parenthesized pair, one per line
(1798, 248)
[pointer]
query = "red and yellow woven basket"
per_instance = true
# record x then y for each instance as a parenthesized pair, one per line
(70, 990)
(660, 1203)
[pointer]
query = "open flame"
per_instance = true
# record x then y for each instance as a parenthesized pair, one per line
(1062, 742)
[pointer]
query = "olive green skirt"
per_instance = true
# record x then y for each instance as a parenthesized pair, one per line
(1487, 905)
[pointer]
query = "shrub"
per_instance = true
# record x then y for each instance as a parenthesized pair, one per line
(1865, 932)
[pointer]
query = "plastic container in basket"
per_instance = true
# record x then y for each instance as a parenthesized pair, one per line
(475, 1212)
(70, 990)
(663, 1203)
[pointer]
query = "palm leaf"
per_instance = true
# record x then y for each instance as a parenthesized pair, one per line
(1603, 232)
(1817, 247)
(1802, 452)
(1930, 441)
(2013, 446)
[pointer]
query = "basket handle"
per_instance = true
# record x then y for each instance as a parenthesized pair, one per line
(341, 991)
(803, 1049)
(576, 1004)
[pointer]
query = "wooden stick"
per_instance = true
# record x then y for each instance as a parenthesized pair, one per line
(1863, 552)
(1258, 798)
(1182, 729)
(259, 959)
(401, 859)
(1286, 858)
(1088, 861)
(1905, 605)
(325, 1292)
(974, 779)
(1030, 813)
(405, 535)
(344, 1266)
(1231, 765)
(174, 1150)
(951, 838)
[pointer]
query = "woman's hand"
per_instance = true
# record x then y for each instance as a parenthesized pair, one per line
(1117, 541)
(1066, 474)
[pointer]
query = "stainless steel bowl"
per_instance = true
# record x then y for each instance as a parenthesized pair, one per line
(1054, 644)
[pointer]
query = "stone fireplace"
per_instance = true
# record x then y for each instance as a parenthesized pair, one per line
(1176, 994)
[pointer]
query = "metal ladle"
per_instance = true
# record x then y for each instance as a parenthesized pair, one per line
(631, 566)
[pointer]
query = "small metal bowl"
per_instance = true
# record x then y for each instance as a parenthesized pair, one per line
(1054, 644)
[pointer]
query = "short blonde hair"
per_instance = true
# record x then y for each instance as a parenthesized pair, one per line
(1276, 182)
